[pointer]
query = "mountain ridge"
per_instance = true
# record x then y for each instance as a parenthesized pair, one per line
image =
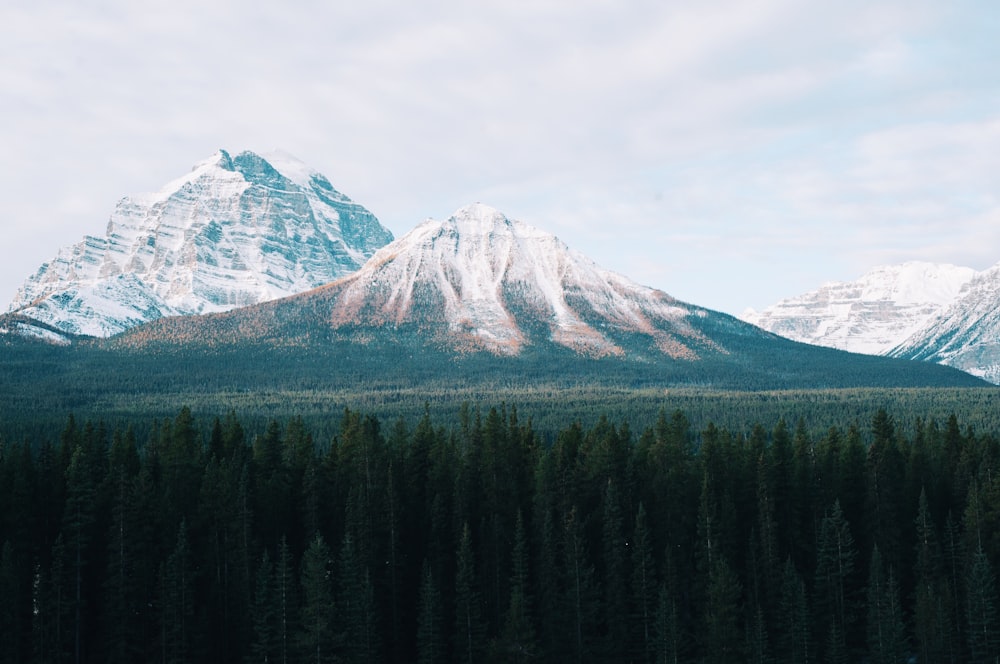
(231, 232)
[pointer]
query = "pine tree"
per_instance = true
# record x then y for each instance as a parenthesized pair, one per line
(983, 636)
(286, 600)
(794, 642)
(886, 632)
(931, 615)
(667, 628)
(317, 639)
(582, 591)
(614, 550)
(644, 590)
(470, 633)
(517, 642)
(834, 587)
(264, 643)
(431, 646)
(722, 615)
(178, 601)
(357, 606)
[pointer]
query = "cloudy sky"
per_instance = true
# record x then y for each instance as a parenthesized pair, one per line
(730, 153)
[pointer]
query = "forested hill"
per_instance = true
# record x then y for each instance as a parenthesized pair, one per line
(467, 540)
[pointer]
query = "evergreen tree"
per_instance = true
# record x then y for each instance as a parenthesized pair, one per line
(722, 616)
(581, 590)
(794, 641)
(644, 590)
(835, 584)
(178, 602)
(431, 646)
(356, 606)
(932, 616)
(614, 550)
(667, 628)
(264, 643)
(886, 632)
(286, 598)
(517, 642)
(317, 637)
(470, 633)
(983, 636)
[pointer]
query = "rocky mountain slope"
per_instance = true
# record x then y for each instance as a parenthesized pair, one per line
(234, 231)
(873, 314)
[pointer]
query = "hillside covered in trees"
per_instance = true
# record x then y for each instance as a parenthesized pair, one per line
(472, 539)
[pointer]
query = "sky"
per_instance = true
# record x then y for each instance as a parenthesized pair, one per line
(730, 153)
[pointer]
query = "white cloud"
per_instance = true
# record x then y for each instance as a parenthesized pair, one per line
(697, 145)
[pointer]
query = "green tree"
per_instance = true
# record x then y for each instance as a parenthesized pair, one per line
(794, 640)
(470, 633)
(264, 643)
(887, 643)
(983, 636)
(581, 590)
(178, 601)
(317, 637)
(644, 590)
(517, 643)
(835, 584)
(431, 646)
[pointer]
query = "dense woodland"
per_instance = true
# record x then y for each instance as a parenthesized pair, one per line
(472, 538)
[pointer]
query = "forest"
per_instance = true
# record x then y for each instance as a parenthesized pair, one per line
(473, 538)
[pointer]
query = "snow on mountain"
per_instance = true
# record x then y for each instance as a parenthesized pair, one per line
(486, 276)
(966, 334)
(233, 232)
(871, 315)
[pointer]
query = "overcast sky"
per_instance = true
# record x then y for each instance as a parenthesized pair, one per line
(728, 153)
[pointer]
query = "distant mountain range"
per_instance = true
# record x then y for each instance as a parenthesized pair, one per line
(260, 257)
(922, 311)
(480, 296)
(234, 231)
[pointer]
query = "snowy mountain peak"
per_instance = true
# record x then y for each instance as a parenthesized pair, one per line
(233, 231)
(490, 283)
(872, 314)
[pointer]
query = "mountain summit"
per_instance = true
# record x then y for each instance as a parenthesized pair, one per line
(490, 283)
(235, 231)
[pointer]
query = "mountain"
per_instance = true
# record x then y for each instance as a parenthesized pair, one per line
(966, 334)
(234, 231)
(873, 314)
(483, 297)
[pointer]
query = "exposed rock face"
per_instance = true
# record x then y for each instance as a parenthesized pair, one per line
(872, 315)
(234, 231)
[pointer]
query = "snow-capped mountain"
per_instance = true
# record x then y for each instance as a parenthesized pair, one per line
(486, 277)
(235, 231)
(966, 334)
(871, 315)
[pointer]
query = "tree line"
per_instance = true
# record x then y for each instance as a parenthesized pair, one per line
(474, 540)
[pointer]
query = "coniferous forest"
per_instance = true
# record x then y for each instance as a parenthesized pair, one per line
(473, 538)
